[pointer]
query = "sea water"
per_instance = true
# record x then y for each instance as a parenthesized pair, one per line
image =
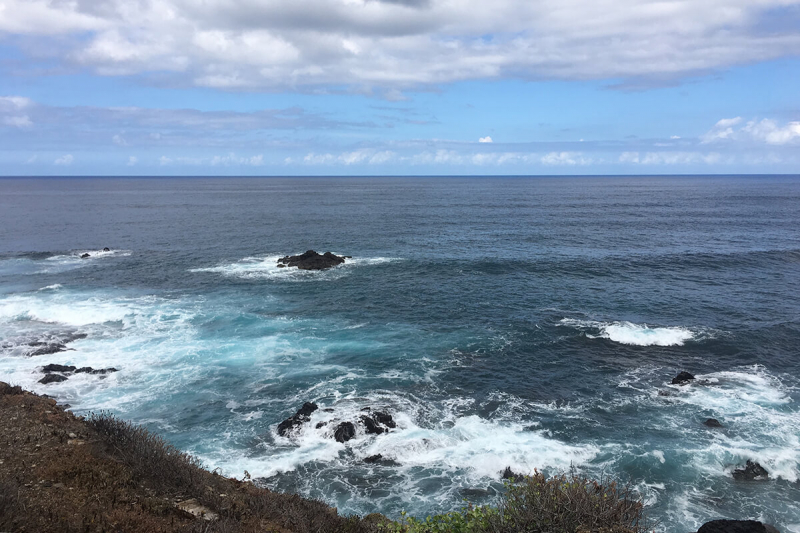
(531, 323)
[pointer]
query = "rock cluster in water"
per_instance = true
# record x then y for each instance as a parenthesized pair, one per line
(54, 344)
(311, 260)
(58, 373)
(374, 423)
(682, 379)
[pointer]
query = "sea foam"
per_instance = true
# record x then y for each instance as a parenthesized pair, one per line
(634, 334)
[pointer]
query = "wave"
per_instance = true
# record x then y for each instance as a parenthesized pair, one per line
(636, 334)
(267, 268)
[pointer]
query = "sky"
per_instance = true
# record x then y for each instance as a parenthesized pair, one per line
(399, 87)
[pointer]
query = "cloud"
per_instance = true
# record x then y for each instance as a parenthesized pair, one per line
(18, 122)
(671, 158)
(272, 44)
(119, 140)
(64, 161)
(565, 158)
(233, 160)
(764, 131)
(132, 160)
(486, 139)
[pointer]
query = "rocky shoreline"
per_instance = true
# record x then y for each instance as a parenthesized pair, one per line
(63, 473)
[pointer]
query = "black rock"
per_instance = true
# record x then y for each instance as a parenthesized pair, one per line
(84, 256)
(713, 423)
(373, 458)
(371, 426)
(384, 418)
(682, 378)
(321, 425)
(344, 432)
(736, 526)
(106, 249)
(52, 378)
(90, 370)
(510, 474)
(57, 368)
(311, 260)
(302, 416)
(46, 349)
(752, 471)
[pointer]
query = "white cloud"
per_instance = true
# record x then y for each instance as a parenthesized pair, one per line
(164, 160)
(397, 44)
(675, 137)
(754, 131)
(119, 140)
(234, 160)
(14, 103)
(132, 160)
(18, 122)
(565, 158)
(671, 158)
(486, 139)
(64, 161)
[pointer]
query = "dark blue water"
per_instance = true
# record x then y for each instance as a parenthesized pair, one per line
(527, 322)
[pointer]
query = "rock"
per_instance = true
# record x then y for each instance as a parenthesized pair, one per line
(85, 256)
(281, 265)
(321, 425)
(57, 368)
(371, 426)
(106, 249)
(46, 349)
(311, 260)
(736, 526)
(752, 471)
(373, 458)
(384, 418)
(682, 379)
(344, 432)
(302, 416)
(713, 423)
(52, 378)
(510, 474)
(195, 509)
(90, 370)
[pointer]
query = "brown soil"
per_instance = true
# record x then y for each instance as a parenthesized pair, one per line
(59, 473)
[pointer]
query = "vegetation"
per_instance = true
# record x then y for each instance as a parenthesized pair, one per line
(64, 474)
(536, 504)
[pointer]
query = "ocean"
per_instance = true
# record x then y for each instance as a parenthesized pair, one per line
(531, 323)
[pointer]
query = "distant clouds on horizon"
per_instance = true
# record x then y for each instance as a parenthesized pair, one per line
(399, 86)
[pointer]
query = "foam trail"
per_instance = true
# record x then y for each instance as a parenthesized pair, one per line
(634, 334)
(267, 268)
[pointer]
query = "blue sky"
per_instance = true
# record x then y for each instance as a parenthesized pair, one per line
(399, 87)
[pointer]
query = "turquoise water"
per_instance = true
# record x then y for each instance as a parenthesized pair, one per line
(528, 322)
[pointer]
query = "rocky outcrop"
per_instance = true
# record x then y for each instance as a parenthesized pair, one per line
(85, 256)
(682, 379)
(53, 378)
(713, 423)
(90, 370)
(751, 471)
(736, 526)
(57, 368)
(377, 422)
(311, 260)
(302, 416)
(510, 474)
(344, 432)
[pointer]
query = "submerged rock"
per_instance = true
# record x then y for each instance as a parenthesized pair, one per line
(52, 378)
(57, 368)
(311, 260)
(682, 379)
(736, 526)
(90, 370)
(302, 416)
(44, 348)
(373, 458)
(344, 432)
(713, 423)
(85, 256)
(106, 249)
(752, 471)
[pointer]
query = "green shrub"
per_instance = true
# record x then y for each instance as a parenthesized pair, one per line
(535, 504)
